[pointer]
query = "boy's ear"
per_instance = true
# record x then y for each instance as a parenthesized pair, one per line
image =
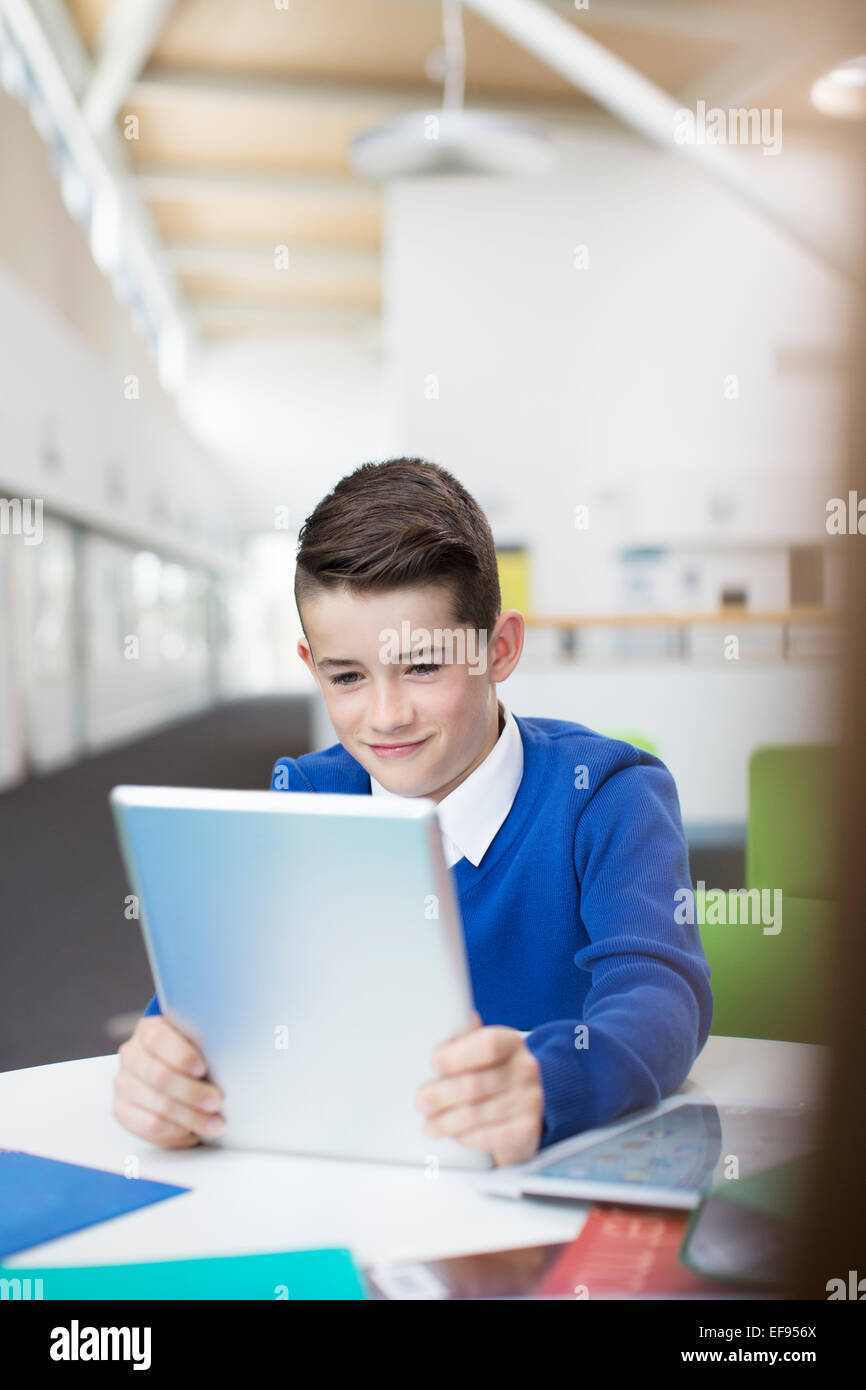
(507, 644)
(306, 656)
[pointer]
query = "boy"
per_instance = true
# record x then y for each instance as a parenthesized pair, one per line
(567, 847)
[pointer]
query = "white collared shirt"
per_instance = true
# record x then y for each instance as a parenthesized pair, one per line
(470, 816)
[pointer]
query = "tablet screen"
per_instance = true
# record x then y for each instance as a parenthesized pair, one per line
(691, 1146)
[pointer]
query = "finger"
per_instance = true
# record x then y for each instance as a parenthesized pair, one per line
(154, 1128)
(513, 1101)
(482, 1047)
(468, 1086)
(160, 1076)
(513, 1141)
(131, 1089)
(470, 1026)
(162, 1040)
(461, 1119)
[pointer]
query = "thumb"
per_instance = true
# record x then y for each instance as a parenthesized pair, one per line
(472, 1022)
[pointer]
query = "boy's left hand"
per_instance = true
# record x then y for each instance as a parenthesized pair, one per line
(488, 1094)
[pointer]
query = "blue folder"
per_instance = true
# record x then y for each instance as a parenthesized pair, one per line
(42, 1198)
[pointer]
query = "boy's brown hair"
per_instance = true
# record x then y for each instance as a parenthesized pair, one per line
(402, 523)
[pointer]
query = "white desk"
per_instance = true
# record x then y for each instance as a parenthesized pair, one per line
(249, 1202)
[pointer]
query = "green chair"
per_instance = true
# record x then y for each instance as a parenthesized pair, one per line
(767, 983)
(792, 834)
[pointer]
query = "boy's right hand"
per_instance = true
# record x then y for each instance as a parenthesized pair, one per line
(158, 1091)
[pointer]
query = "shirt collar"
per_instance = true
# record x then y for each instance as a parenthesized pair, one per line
(473, 812)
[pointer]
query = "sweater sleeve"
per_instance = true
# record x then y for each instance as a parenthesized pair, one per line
(648, 1011)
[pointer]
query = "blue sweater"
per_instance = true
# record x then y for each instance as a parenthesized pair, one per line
(569, 920)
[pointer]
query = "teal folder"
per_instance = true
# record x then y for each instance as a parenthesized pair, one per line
(290, 1275)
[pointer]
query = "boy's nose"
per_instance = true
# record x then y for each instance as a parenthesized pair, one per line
(391, 711)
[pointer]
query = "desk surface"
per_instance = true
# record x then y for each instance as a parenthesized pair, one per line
(251, 1202)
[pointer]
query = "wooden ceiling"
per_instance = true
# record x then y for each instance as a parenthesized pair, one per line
(382, 41)
(245, 113)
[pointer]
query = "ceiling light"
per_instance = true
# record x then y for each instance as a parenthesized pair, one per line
(452, 140)
(842, 92)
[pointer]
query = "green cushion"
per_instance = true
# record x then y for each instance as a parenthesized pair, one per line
(769, 984)
(791, 838)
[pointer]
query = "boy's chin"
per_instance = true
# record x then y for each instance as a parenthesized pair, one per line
(406, 785)
(408, 781)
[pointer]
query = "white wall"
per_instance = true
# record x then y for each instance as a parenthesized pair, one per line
(705, 721)
(290, 417)
(544, 386)
(605, 386)
(86, 429)
(70, 430)
(70, 440)
(71, 437)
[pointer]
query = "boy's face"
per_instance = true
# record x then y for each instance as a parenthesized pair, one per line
(410, 698)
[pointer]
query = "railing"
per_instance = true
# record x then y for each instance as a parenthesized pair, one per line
(683, 625)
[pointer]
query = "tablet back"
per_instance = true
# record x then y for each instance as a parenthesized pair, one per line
(312, 947)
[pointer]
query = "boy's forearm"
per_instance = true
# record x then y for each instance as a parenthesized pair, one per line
(627, 1053)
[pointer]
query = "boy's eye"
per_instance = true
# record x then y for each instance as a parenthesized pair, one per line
(423, 668)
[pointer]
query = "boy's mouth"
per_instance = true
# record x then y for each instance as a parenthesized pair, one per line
(397, 750)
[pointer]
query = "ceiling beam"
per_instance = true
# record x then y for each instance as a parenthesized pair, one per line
(58, 27)
(161, 184)
(181, 85)
(370, 100)
(213, 258)
(651, 112)
(722, 19)
(301, 317)
(126, 40)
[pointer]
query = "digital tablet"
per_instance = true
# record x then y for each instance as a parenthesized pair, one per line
(666, 1155)
(312, 947)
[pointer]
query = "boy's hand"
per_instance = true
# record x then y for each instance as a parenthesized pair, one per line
(158, 1093)
(489, 1094)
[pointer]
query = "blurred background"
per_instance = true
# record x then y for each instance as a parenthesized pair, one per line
(246, 245)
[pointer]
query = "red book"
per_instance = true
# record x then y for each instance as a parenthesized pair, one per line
(625, 1250)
